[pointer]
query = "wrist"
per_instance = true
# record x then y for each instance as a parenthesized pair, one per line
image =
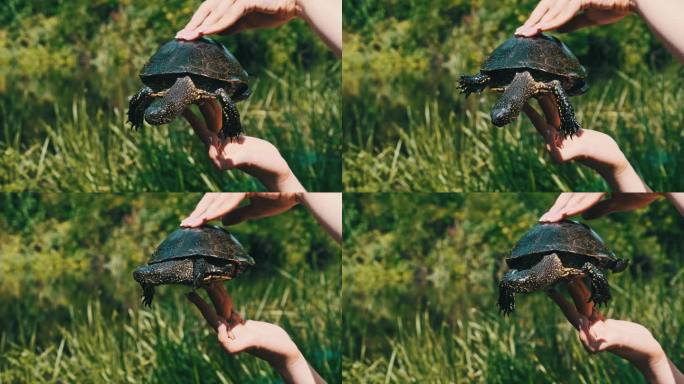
(288, 182)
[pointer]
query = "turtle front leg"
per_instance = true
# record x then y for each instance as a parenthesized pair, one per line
(232, 127)
(476, 83)
(506, 300)
(137, 106)
(514, 98)
(148, 294)
(600, 290)
(568, 122)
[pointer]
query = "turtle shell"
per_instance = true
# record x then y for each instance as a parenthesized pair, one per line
(201, 57)
(208, 241)
(563, 237)
(542, 53)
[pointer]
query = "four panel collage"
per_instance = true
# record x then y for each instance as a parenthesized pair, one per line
(342, 191)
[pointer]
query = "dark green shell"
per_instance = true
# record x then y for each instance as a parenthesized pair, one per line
(562, 237)
(201, 57)
(208, 241)
(541, 53)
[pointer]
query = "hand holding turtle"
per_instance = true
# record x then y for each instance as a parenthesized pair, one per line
(226, 206)
(590, 205)
(593, 149)
(662, 17)
(263, 340)
(626, 339)
(252, 155)
(232, 16)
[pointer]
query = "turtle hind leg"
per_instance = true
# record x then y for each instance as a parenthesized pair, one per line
(472, 84)
(568, 122)
(199, 270)
(232, 128)
(600, 290)
(148, 294)
(137, 106)
(506, 299)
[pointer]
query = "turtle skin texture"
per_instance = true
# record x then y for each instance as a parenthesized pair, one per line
(182, 73)
(193, 257)
(553, 253)
(526, 67)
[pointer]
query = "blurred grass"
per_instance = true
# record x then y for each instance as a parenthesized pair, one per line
(423, 269)
(68, 68)
(407, 127)
(70, 310)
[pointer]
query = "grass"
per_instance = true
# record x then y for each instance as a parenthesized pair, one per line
(83, 145)
(437, 146)
(88, 342)
(535, 345)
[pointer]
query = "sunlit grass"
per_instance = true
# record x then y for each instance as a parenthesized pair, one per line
(443, 147)
(90, 148)
(91, 343)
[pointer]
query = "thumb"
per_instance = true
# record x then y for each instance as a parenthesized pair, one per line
(230, 342)
(599, 209)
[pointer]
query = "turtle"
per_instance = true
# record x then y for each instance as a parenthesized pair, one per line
(194, 257)
(184, 72)
(551, 253)
(525, 67)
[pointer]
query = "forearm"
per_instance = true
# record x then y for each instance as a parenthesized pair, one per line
(625, 180)
(660, 372)
(664, 19)
(299, 371)
(325, 17)
(677, 199)
(327, 209)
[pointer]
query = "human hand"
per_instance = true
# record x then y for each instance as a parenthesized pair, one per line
(231, 16)
(565, 15)
(251, 155)
(593, 149)
(226, 206)
(590, 205)
(626, 339)
(263, 340)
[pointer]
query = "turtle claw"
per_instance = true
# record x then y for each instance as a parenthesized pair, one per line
(148, 294)
(600, 290)
(473, 84)
(506, 299)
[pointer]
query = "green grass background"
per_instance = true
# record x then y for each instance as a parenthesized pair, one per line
(70, 310)
(420, 275)
(407, 127)
(67, 69)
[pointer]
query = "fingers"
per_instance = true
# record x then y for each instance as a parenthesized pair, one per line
(568, 309)
(207, 312)
(548, 105)
(559, 15)
(212, 206)
(222, 301)
(213, 117)
(189, 32)
(549, 15)
(198, 125)
(539, 11)
(580, 295)
(538, 121)
(570, 204)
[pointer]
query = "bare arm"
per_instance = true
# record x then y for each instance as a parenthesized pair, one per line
(664, 17)
(327, 209)
(325, 17)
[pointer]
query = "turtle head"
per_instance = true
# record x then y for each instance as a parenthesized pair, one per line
(166, 108)
(512, 100)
